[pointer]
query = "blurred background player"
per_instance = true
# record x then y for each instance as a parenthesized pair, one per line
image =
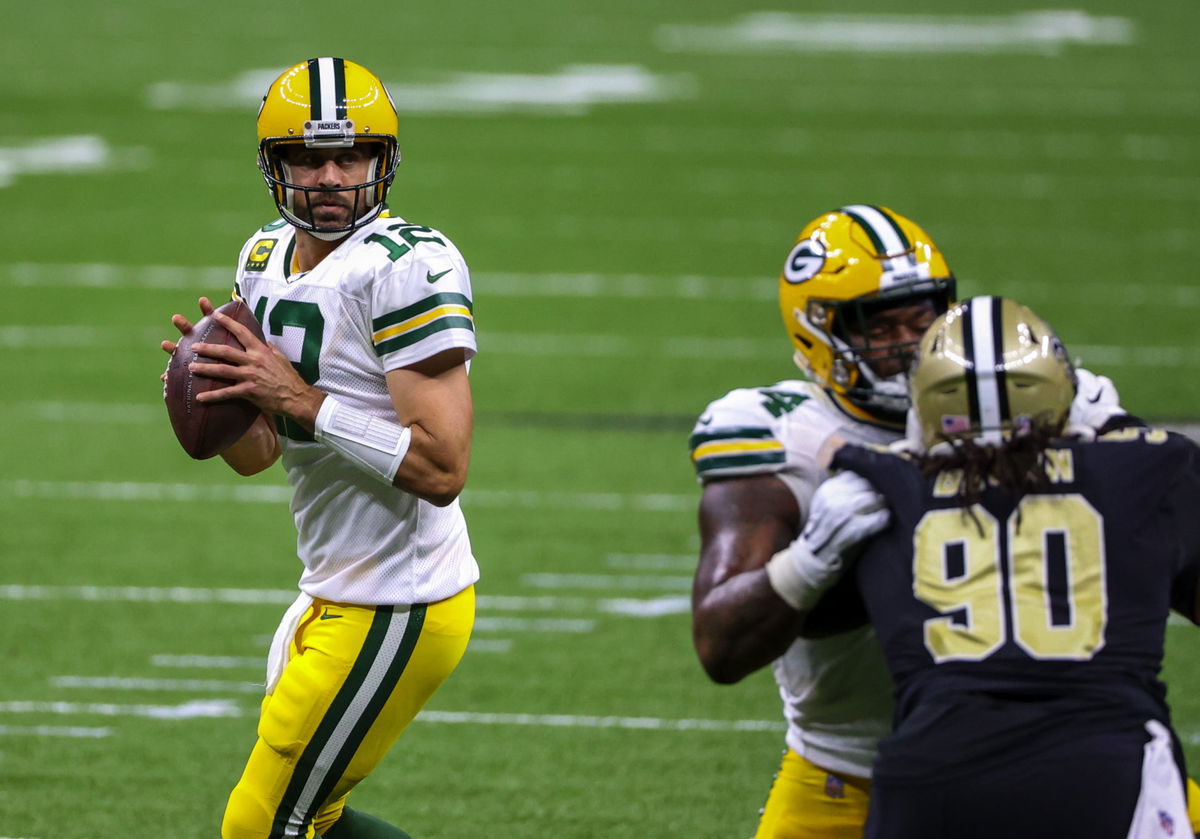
(857, 291)
(364, 394)
(1020, 594)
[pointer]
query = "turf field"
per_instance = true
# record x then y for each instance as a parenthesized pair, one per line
(625, 180)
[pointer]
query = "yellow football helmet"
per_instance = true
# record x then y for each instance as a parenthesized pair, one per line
(327, 103)
(990, 369)
(845, 266)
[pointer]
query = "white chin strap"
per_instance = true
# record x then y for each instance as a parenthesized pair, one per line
(329, 237)
(891, 393)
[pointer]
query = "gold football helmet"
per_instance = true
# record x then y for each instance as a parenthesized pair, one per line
(845, 267)
(990, 369)
(327, 103)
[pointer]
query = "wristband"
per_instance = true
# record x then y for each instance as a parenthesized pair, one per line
(783, 571)
(373, 444)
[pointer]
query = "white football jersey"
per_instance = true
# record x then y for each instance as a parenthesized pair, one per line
(391, 294)
(836, 691)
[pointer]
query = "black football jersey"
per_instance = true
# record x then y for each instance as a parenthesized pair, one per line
(1029, 620)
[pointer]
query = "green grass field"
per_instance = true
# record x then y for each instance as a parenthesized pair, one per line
(625, 181)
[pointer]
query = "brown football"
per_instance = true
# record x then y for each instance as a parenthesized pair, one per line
(203, 429)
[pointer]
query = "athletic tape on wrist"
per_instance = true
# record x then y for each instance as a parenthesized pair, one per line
(783, 571)
(372, 443)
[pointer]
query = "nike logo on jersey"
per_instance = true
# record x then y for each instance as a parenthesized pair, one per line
(326, 616)
(1096, 398)
(433, 278)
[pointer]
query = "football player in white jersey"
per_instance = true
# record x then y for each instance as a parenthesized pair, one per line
(364, 394)
(858, 289)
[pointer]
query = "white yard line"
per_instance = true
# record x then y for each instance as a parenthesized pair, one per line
(207, 708)
(148, 594)
(73, 732)
(652, 562)
(152, 685)
(536, 625)
(228, 708)
(653, 608)
(570, 90)
(1046, 32)
(104, 275)
(276, 494)
(575, 721)
(487, 603)
(213, 662)
(606, 581)
(71, 153)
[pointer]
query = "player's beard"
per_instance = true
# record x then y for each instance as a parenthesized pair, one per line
(332, 208)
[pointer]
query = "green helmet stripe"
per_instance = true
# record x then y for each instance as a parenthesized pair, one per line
(314, 88)
(339, 87)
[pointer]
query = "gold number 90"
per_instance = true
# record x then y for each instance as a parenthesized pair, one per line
(1041, 581)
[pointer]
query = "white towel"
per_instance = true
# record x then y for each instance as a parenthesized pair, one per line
(277, 656)
(1161, 811)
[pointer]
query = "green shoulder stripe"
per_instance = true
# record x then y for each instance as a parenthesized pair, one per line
(407, 339)
(747, 461)
(420, 307)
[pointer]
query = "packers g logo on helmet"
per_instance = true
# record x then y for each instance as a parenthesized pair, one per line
(845, 266)
(987, 370)
(805, 261)
(327, 103)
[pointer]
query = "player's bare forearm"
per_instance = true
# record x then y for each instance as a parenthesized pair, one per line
(742, 626)
(739, 623)
(433, 399)
(256, 450)
(435, 469)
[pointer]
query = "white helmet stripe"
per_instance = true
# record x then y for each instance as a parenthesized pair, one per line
(985, 381)
(327, 80)
(881, 228)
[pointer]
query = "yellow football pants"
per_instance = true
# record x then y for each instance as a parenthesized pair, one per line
(808, 802)
(355, 678)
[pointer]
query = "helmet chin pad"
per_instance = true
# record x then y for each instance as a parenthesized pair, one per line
(887, 398)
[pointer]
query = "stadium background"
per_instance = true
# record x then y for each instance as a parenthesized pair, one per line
(625, 180)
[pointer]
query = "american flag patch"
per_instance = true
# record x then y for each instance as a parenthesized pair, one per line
(955, 424)
(1166, 822)
(835, 787)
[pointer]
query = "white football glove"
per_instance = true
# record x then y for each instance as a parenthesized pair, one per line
(845, 511)
(1096, 401)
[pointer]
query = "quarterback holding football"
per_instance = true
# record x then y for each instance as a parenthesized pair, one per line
(362, 391)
